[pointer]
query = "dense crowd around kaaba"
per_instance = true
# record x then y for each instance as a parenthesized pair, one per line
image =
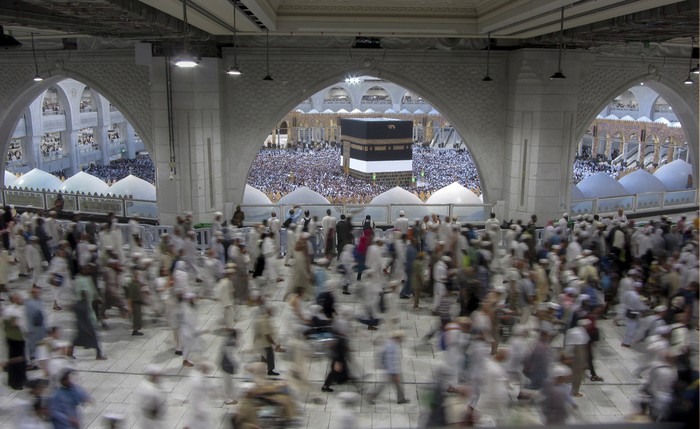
(283, 170)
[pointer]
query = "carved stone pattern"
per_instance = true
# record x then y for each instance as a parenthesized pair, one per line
(14, 77)
(125, 85)
(602, 79)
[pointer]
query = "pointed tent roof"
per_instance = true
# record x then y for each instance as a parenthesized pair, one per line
(643, 119)
(85, 183)
(641, 181)
(576, 194)
(254, 197)
(434, 113)
(9, 178)
(328, 111)
(627, 118)
(390, 110)
(600, 185)
(370, 110)
(612, 117)
(38, 179)
(404, 112)
(454, 193)
(419, 112)
(674, 175)
(600, 116)
(312, 112)
(139, 189)
(354, 111)
(343, 111)
(662, 120)
(396, 195)
(303, 195)
(676, 125)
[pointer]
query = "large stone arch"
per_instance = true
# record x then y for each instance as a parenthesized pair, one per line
(113, 74)
(444, 87)
(605, 80)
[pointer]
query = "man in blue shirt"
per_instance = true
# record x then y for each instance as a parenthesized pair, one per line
(63, 405)
(390, 362)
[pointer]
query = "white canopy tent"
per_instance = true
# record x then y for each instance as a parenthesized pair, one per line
(254, 197)
(600, 185)
(85, 183)
(303, 195)
(132, 186)
(454, 193)
(641, 181)
(674, 175)
(396, 195)
(38, 179)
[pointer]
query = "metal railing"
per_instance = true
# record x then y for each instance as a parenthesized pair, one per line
(638, 203)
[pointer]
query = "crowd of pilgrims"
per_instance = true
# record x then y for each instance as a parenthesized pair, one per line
(522, 316)
(585, 166)
(141, 166)
(280, 171)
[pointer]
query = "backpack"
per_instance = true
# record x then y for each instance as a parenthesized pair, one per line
(306, 225)
(367, 225)
(287, 222)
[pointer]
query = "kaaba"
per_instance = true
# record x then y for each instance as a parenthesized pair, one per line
(378, 150)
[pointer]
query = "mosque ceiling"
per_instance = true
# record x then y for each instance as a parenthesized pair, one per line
(512, 23)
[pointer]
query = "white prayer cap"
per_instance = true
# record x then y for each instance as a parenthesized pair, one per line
(660, 309)
(109, 247)
(556, 247)
(566, 215)
(446, 258)
(401, 213)
(500, 289)
(543, 261)
(559, 370)
(584, 322)
(218, 214)
(189, 295)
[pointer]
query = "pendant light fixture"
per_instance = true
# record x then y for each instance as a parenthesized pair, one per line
(559, 75)
(234, 70)
(37, 76)
(268, 76)
(691, 70)
(487, 78)
(186, 60)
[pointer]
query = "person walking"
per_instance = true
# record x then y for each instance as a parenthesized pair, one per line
(152, 399)
(557, 401)
(390, 364)
(136, 300)
(264, 340)
(633, 309)
(225, 287)
(229, 366)
(85, 320)
(36, 322)
(63, 404)
(15, 324)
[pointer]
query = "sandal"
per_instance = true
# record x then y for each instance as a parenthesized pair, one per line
(596, 378)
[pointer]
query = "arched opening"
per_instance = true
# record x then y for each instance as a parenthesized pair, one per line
(104, 143)
(315, 148)
(621, 139)
(337, 95)
(376, 95)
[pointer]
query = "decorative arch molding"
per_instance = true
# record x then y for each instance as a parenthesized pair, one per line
(443, 87)
(117, 78)
(608, 78)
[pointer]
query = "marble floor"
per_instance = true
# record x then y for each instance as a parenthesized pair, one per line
(113, 383)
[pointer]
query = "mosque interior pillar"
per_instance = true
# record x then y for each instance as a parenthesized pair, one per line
(71, 144)
(608, 147)
(657, 152)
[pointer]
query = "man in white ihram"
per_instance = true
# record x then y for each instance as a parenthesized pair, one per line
(151, 399)
(402, 223)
